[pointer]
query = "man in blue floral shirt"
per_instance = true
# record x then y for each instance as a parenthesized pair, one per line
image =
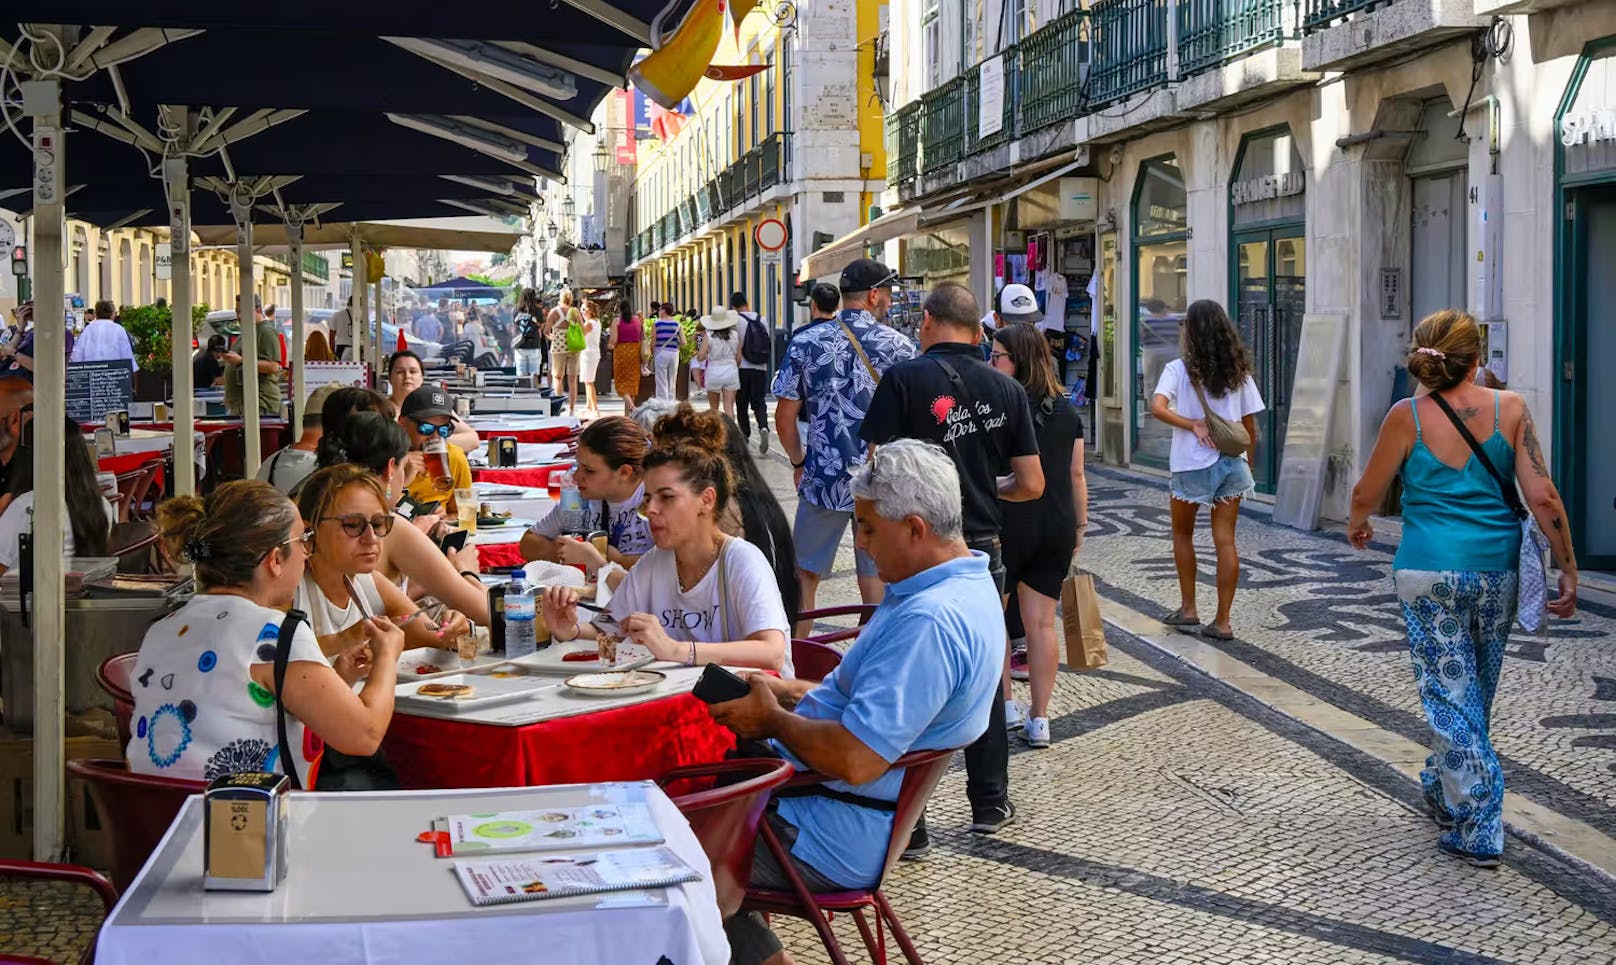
(826, 379)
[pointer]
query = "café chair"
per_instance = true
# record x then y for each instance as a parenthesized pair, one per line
(922, 771)
(127, 483)
(137, 507)
(113, 675)
(725, 816)
(862, 610)
(34, 871)
(813, 660)
(136, 808)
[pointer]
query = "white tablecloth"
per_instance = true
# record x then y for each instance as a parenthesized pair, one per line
(524, 501)
(510, 532)
(362, 891)
(155, 440)
(528, 454)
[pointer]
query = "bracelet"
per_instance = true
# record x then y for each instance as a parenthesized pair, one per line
(692, 662)
(472, 575)
(799, 465)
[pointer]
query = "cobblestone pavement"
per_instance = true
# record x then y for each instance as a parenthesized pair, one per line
(1176, 819)
(52, 921)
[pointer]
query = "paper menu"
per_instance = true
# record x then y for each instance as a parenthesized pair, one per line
(548, 829)
(498, 882)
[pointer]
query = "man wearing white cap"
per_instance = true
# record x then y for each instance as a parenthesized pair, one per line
(1017, 303)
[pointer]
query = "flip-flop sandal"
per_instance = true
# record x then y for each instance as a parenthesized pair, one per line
(1208, 630)
(1178, 619)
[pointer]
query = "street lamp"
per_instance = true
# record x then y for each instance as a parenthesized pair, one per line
(551, 230)
(602, 157)
(569, 207)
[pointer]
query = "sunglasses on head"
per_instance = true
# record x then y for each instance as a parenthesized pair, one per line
(428, 429)
(355, 524)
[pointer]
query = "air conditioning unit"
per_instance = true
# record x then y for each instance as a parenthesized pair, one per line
(1079, 199)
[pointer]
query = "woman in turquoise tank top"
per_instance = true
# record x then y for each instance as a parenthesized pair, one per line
(1456, 567)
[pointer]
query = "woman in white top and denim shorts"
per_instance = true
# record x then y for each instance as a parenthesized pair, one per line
(1213, 358)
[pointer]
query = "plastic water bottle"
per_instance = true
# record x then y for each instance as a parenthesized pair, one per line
(520, 610)
(572, 505)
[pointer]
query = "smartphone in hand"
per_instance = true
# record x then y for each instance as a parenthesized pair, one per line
(455, 540)
(718, 685)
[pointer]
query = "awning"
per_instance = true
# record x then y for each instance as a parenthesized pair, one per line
(450, 234)
(847, 249)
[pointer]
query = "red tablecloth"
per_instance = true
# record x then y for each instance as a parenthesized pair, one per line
(130, 461)
(537, 477)
(552, 434)
(627, 744)
(499, 554)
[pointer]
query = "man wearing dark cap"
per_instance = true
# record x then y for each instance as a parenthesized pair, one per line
(827, 377)
(207, 365)
(429, 412)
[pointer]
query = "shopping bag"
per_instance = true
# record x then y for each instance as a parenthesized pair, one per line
(1085, 630)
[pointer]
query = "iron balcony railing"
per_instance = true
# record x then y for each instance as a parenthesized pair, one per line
(1319, 14)
(942, 126)
(1054, 66)
(756, 171)
(313, 263)
(903, 143)
(1214, 32)
(975, 140)
(1130, 49)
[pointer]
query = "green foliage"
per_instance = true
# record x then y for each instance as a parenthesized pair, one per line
(152, 328)
(692, 326)
(484, 279)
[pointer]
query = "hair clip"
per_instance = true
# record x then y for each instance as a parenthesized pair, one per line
(1427, 350)
(197, 549)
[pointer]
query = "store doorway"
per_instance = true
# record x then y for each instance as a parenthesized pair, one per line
(1271, 297)
(1591, 351)
(1437, 244)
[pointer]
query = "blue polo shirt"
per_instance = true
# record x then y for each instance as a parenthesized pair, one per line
(921, 676)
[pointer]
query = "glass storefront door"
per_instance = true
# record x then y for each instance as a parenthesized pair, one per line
(1591, 501)
(1270, 298)
(1161, 294)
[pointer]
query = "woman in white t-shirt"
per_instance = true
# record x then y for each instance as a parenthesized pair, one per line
(1215, 367)
(610, 477)
(89, 516)
(346, 510)
(204, 680)
(699, 596)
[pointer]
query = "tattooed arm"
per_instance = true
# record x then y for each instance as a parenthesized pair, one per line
(1543, 500)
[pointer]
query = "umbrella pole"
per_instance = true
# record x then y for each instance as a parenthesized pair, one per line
(42, 101)
(176, 178)
(241, 199)
(294, 234)
(361, 304)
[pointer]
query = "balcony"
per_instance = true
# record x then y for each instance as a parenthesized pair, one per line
(1233, 52)
(1352, 34)
(903, 143)
(751, 175)
(314, 264)
(975, 140)
(1213, 32)
(1130, 49)
(1053, 66)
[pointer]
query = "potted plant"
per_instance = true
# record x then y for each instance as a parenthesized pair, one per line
(152, 328)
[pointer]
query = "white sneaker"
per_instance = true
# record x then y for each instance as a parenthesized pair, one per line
(1014, 719)
(763, 441)
(1037, 732)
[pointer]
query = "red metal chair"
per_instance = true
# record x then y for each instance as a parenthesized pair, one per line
(128, 482)
(137, 508)
(922, 771)
(67, 874)
(862, 610)
(136, 808)
(725, 817)
(813, 660)
(113, 675)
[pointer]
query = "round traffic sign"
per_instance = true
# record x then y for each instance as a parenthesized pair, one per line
(770, 234)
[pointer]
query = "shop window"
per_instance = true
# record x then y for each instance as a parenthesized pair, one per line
(1161, 294)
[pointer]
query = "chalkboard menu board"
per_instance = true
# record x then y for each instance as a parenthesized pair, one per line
(96, 388)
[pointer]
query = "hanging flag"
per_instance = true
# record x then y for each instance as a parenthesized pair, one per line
(666, 124)
(738, 9)
(723, 72)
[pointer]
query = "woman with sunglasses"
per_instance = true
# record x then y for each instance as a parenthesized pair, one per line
(699, 596)
(410, 557)
(204, 681)
(345, 509)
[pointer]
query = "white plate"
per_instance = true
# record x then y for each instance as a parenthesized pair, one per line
(486, 690)
(630, 656)
(412, 663)
(615, 683)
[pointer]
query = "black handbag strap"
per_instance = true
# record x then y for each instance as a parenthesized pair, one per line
(283, 653)
(1505, 487)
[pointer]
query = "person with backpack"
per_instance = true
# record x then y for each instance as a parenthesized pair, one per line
(529, 335)
(754, 371)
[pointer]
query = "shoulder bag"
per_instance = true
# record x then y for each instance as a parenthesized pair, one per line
(1532, 595)
(859, 348)
(338, 771)
(1230, 438)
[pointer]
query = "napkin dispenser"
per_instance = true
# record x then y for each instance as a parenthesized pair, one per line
(245, 827)
(502, 452)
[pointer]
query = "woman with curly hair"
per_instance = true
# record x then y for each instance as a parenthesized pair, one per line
(1213, 374)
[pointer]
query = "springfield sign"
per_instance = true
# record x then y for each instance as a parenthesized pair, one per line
(1588, 127)
(1267, 187)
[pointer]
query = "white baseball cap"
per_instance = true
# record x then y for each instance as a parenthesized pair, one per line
(1018, 304)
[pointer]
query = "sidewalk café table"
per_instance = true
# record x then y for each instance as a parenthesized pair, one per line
(557, 736)
(361, 889)
(534, 464)
(527, 502)
(143, 446)
(553, 429)
(497, 545)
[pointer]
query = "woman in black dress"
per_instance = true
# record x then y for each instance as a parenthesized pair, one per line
(1041, 537)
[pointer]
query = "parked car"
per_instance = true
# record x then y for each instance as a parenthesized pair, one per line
(224, 322)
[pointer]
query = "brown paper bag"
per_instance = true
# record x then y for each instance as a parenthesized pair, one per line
(1085, 630)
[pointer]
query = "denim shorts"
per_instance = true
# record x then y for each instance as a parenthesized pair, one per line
(817, 535)
(1228, 478)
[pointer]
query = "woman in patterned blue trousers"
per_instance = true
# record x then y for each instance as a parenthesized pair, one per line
(1456, 568)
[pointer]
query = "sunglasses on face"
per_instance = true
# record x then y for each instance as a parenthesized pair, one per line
(354, 524)
(428, 429)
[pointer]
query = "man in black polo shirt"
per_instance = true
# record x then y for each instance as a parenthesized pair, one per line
(980, 416)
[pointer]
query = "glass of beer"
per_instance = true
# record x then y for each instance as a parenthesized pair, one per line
(466, 509)
(435, 453)
(555, 482)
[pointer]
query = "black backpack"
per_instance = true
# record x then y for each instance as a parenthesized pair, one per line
(755, 343)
